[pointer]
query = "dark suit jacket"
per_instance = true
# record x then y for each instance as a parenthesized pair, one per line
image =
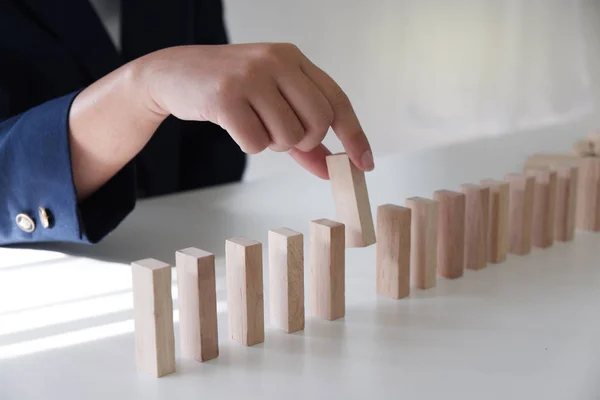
(49, 51)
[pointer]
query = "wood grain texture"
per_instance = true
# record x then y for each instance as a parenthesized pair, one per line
(327, 269)
(567, 178)
(196, 286)
(423, 242)
(477, 214)
(544, 206)
(498, 221)
(393, 251)
(451, 233)
(245, 301)
(542, 160)
(286, 279)
(351, 200)
(520, 215)
(153, 317)
(588, 196)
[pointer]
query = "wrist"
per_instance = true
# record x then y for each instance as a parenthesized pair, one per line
(139, 77)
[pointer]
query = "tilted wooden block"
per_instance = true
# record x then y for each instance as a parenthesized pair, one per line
(547, 160)
(544, 206)
(451, 234)
(477, 213)
(520, 215)
(588, 196)
(196, 285)
(327, 269)
(351, 200)
(393, 251)
(498, 222)
(423, 242)
(567, 178)
(245, 299)
(153, 317)
(286, 279)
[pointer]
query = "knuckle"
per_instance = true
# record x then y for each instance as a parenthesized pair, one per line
(340, 100)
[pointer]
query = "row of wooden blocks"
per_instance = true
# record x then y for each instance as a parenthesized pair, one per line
(415, 243)
(154, 333)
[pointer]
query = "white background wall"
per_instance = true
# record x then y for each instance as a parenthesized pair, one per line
(362, 45)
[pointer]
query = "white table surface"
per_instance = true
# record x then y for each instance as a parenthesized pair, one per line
(526, 328)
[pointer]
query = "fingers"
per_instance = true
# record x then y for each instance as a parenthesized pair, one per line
(313, 160)
(345, 122)
(245, 127)
(281, 122)
(310, 105)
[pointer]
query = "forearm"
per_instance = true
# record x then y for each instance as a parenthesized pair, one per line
(109, 123)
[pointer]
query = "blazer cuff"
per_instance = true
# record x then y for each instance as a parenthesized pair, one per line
(35, 160)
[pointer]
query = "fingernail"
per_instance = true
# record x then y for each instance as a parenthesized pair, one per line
(367, 160)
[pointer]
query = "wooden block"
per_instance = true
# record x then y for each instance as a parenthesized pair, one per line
(588, 196)
(583, 148)
(451, 234)
(498, 222)
(423, 242)
(520, 215)
(286, 279)
(351, 200)
(393, 251)
(153, 317)
(567, 177)
(546, 160)
(544, 206)
(245, 301)
(327, 269)
(198, 330)
(477, 213)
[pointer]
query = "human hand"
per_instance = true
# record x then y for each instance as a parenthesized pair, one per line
(265, 95)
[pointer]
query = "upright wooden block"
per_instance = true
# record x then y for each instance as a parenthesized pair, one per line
(567, 177)
(351, 200)
(498, 222)
(198, 330)
(451, 234)
(520, 215)
(393, 251)
(327, 269)
(423, 242)
(245, 301)
(153, 317)
(544, 206)
(286, 279)
(588, 196)
(476, 225)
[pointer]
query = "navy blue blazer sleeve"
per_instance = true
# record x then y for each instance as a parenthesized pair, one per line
(35, 171)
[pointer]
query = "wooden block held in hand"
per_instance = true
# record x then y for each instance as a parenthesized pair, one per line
(498, 222)
(588, 196)
(153, 317)
(521, 190)
(423, 242)
(393, 251)
(451, 233)
(245, 299)
(567, 177)
(327, 269)
(476, 225)
(196, 285)
(351, 200)
(544, 206)
(286, 279)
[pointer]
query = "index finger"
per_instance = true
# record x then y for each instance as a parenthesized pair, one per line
(345, 122)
